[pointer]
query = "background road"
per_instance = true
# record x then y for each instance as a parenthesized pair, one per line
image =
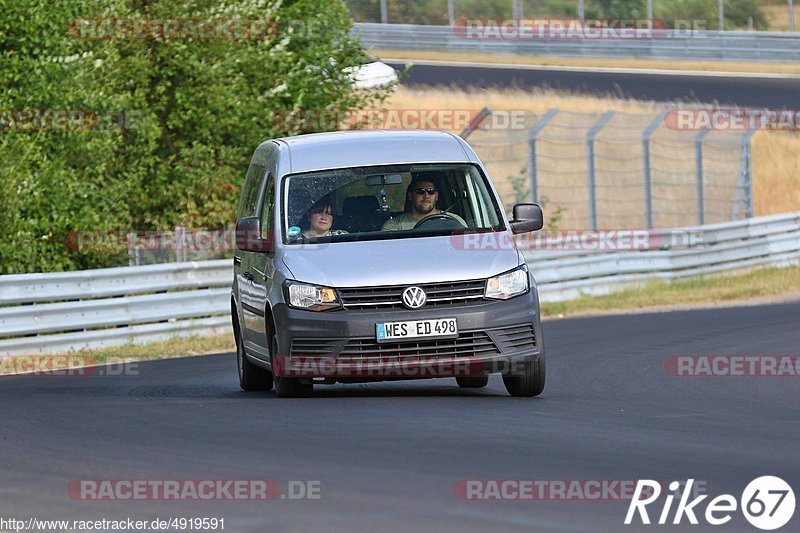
(388, 455)
(746, 91)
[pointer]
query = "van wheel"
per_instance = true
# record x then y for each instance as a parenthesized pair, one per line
(472, 382)
(288, 387)
(251, 377)
(529, 381)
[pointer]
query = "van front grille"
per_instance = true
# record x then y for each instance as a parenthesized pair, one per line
(480, 343)
(389, 297)
(467, 344)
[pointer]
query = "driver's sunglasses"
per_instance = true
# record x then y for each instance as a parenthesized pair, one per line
(429, 192)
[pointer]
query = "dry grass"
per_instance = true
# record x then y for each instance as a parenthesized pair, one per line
(599, 62)
(775, 160)
(776, 172)
(169, 349)
(722, 289)
(175, 347)
(778, 16)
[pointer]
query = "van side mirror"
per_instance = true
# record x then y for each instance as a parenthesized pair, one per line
(527, 217)
(248, 236)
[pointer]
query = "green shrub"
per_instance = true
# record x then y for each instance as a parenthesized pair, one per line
(197, 110)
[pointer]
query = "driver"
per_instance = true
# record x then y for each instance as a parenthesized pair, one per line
(422, 196)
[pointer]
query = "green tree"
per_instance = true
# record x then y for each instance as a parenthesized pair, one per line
(198, 108)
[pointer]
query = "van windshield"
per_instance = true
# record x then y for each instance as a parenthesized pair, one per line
(398, 201)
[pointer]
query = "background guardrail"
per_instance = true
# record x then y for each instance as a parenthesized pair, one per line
(58, 312)
(772, 240)
(672, 44)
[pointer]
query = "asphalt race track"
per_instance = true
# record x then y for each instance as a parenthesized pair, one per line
(773, 92)
(388, 456)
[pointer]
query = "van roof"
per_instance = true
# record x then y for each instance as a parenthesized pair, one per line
(340, 149)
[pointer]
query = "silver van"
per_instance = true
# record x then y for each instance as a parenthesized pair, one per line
(380, 255)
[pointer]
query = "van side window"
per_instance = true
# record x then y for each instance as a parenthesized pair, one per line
(252, 186)
(267, 220)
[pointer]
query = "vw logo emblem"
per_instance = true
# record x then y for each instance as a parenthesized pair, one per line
(414, 297)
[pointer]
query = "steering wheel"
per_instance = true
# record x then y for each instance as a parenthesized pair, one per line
(440, 221)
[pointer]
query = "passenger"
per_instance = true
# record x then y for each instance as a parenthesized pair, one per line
(422, 196)
(318, 220)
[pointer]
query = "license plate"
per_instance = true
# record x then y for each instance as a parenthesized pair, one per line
(436, 328)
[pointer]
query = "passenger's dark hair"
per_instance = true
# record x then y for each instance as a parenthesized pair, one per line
(319, 205)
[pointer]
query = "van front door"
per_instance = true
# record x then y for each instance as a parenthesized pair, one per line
(262, 270)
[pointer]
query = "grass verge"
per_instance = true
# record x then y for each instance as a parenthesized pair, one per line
(594, 62)
(169, 349)
(175, 347)
(755, 285)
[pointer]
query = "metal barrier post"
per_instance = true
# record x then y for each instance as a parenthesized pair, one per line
(133, 250)
(648, 178)
(698, 165)
(532, 136)
(180, 244)
(748, 175)
(737, 197)
(590, 138)
(744, 183)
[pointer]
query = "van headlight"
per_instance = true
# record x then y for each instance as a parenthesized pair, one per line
(311, 297)
(508, 285)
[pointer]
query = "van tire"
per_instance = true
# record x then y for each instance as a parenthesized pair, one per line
(529, 382)
(472, 382)
(251, 377)
(288, 387)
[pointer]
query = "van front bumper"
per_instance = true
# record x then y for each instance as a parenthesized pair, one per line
(494, 336)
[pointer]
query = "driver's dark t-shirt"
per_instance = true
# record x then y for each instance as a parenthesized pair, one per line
(407, 222)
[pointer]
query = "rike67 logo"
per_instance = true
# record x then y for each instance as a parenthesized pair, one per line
(767, 503)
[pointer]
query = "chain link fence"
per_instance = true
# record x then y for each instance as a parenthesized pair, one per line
(180, 245)
(610, 170)
(617, 170)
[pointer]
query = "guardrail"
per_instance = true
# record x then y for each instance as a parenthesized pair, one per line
(700, 250)
(669, 44)
(64, 311)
